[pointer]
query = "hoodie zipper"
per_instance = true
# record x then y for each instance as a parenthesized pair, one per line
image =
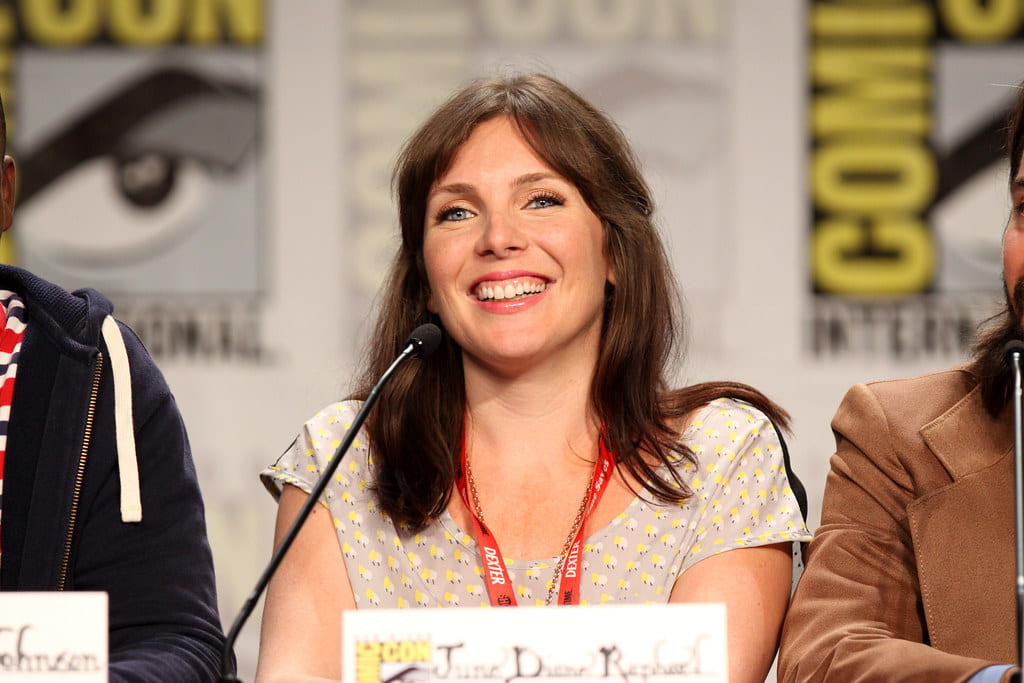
(76, 493)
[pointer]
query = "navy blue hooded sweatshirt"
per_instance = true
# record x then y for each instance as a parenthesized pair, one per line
(62, 523)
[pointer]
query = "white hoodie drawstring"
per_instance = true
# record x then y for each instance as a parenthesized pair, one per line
(124, 428)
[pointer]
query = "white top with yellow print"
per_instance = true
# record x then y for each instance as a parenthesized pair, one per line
(742, 498)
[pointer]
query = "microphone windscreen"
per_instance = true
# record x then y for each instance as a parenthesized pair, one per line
(1011, 347)
(427, 337)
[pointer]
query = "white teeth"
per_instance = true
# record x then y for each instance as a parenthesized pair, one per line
(509, 290)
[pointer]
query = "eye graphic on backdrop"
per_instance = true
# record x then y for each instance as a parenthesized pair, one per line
(972, 202)
(147, 178)
(643, 98)
(675, 120)
(138, 168)
(129, 211)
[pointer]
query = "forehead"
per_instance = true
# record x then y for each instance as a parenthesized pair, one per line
(494, 144)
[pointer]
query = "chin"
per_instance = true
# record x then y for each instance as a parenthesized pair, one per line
(502, 355)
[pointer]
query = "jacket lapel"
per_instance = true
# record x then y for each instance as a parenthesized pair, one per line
(963, 534)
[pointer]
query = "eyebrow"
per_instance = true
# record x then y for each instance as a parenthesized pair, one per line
(534, 178)
(453, 188)
(525, 179)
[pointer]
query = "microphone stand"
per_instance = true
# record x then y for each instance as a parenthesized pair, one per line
(1013, 351)
(423, 341)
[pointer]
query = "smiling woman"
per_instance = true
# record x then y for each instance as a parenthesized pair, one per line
(514, 259)
(538, 457)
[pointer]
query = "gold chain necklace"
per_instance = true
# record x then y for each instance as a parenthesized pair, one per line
(573, 531)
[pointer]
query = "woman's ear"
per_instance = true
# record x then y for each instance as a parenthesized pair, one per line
(609, 255)
(609, 274)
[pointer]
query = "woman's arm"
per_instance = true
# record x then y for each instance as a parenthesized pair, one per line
(754, 584)
(300, 639)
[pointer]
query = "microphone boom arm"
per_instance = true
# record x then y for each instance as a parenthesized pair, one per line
(1013, 352)
(422, 342)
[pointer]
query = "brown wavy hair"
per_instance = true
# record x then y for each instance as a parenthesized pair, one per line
(416, 430)
(989, 365)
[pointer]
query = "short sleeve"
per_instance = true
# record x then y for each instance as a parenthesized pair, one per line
(304, 460)
(741, 487)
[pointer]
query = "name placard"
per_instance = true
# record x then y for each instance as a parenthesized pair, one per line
(53, 636)
(625, 643)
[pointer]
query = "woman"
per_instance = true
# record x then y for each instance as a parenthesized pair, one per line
(527, 234)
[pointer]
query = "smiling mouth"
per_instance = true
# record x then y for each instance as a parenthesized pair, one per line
(506, 290)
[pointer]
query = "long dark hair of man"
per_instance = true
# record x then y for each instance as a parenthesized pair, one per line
(988, 365)
(417, 426)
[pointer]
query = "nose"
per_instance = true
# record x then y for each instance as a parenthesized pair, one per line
(501, 236)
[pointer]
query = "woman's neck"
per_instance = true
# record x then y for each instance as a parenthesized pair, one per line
(531, 445)
(526, 421)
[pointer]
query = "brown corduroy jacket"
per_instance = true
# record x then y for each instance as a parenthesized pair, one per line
(910, 576)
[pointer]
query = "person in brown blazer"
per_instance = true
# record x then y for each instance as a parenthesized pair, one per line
(911, 574)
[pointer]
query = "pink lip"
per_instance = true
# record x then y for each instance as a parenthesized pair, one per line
(507, 307)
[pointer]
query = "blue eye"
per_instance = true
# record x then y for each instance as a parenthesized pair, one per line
(545, 201)
(455, 214)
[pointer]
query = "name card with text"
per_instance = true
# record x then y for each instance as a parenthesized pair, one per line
(55, 636)
(625, 643)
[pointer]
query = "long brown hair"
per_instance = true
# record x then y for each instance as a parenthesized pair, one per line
(416, 429)
(989, 365)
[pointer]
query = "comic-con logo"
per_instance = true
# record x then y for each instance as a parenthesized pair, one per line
(907, 117)
(393, 661)
(136, 128)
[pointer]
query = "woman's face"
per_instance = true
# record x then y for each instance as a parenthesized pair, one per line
(514, 256)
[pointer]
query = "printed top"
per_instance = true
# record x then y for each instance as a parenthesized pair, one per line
(742, 499)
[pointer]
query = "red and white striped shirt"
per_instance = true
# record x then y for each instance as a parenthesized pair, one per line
(12, 308)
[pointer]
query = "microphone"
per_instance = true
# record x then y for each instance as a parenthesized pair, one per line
(1013, 351)
(427, 337)
(423, 341)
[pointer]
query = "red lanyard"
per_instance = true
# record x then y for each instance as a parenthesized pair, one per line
(499, 585)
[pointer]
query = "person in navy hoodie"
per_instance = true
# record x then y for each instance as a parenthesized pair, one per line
(98, 491)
